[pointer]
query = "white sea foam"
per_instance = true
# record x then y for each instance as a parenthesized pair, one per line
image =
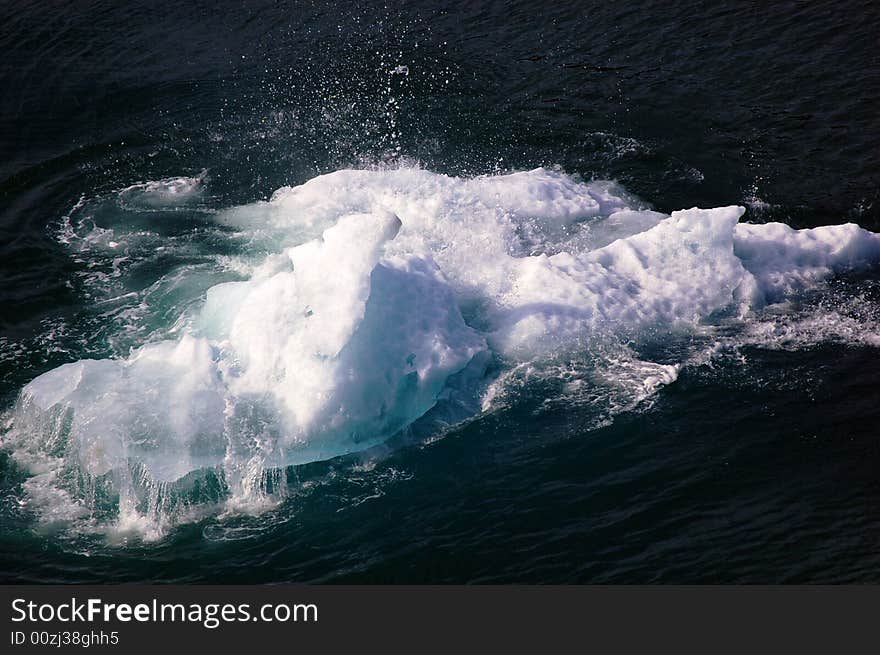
(165, 193)
(387, 297)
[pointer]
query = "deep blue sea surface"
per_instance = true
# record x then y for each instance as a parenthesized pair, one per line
(519, 385)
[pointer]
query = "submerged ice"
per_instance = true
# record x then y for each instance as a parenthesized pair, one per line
(394, 296)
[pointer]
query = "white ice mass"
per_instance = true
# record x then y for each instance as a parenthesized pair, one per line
(392, 291)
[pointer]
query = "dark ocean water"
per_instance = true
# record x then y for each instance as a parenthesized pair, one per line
(756, 468)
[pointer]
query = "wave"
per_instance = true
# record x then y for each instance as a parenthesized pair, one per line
(393, 301)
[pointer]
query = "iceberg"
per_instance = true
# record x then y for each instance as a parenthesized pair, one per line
(393, 292)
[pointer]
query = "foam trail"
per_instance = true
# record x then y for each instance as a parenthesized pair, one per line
(392, 293)
(164, 194)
